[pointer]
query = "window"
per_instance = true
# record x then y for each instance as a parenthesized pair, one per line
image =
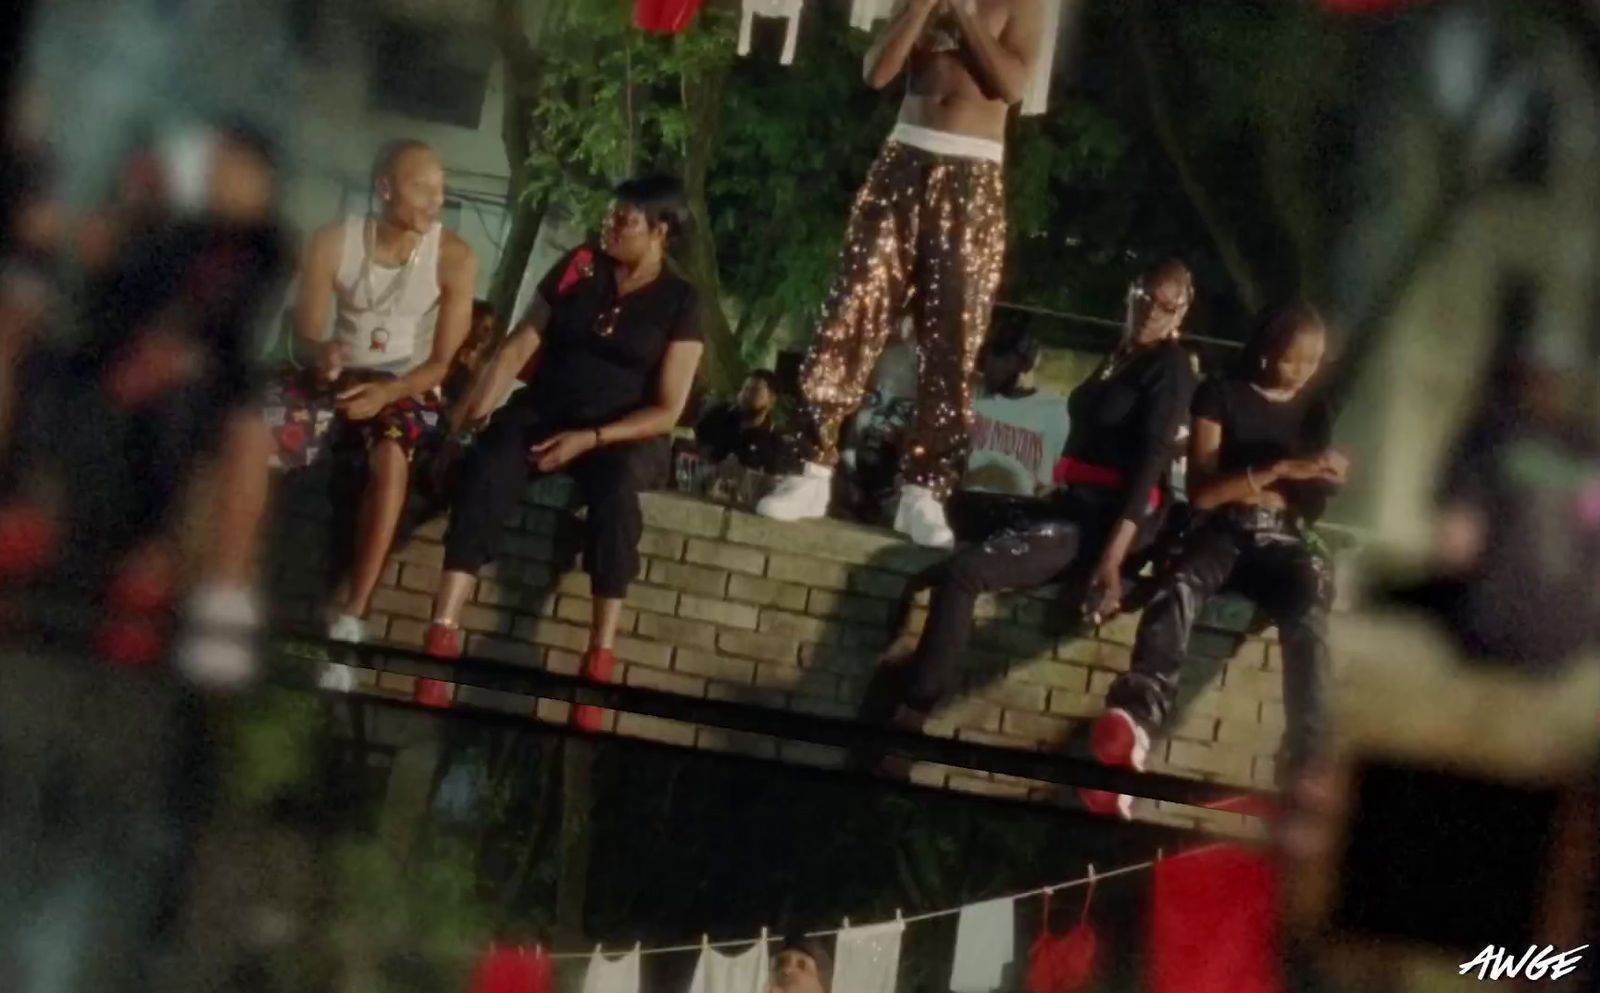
(434, 72)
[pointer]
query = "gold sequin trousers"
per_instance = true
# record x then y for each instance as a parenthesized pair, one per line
(925, 242)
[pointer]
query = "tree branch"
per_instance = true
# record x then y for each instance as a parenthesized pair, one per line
(1166, 132)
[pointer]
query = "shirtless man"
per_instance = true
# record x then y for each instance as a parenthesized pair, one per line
(926, 237)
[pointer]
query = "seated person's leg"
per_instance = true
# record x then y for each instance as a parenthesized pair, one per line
(383, 499)
(1011, 560)
(492, 480)
(610, 480)
(1295, 587)
(1140, 702)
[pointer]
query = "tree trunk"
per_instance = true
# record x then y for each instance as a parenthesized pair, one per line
(575, 840)
(721, 369)
(1166, 132)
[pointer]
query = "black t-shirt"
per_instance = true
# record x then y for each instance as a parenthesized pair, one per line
(1129, 422)
(600, 353)
(1257, 432)
(723, 432)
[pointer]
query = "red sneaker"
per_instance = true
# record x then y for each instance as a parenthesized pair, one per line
(1116, 740)
(600, 665)
(443, 641)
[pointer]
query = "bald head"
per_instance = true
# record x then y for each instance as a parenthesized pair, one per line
(408, 179)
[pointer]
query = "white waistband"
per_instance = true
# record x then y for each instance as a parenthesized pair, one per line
(945, 143)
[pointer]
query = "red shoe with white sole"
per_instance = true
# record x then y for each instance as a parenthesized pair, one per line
(600, 665)
(443, 641)
(1117, 740)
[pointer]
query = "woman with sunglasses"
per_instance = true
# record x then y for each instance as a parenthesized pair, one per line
(1124, 425)
(613, 340)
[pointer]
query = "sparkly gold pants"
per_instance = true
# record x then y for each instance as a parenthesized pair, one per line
(925, 241)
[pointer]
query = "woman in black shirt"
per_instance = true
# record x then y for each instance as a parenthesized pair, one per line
(613, 340)
(1260, 470)
(1125, 421)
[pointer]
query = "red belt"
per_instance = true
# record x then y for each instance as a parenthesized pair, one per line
(1075, 472)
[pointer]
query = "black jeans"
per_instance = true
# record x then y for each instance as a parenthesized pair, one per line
(1016, 558)
(609, 479)
(1264, 557)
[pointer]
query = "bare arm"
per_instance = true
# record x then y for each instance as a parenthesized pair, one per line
(1005, 64)
(458, 282)
(313, 303)
(672, 393)
(509, 359)
(887, 57)
(1210, 489)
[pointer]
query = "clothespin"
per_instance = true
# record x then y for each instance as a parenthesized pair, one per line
(764, 938)
(1160, 853)
(1088, 896)
(705, 940)
(847, 923)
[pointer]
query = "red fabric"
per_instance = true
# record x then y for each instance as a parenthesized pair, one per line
(579, 268)
(1073, 472)
(513, 970)
(664, 16)
(1213, 923)
(1063, 963)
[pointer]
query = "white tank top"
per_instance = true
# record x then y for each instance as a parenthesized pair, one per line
(386, 315)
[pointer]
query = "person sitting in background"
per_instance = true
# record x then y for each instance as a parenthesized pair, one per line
(396, 289)
(1018, 430)
(613, 336)
(802, 965)
(1262, 470)
(744, 429)
(871, 445)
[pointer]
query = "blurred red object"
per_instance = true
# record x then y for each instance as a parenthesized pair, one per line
(513, 970)
(1064, 963)
(132, 643)
(1213, 923)
(600, 665)
(664, 16)
(145, 585)
(27, 540)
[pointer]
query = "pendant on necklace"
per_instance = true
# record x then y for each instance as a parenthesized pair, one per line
(379, 342)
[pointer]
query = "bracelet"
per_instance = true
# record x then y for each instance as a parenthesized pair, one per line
(1250, 477)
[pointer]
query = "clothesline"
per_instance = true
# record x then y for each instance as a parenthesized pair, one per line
(1093, 877)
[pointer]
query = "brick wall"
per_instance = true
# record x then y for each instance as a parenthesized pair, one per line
(732, 606)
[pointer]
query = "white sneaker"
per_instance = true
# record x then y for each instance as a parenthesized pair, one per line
(920, 517)
(217, 650)
(337, 678)
(348, 628)
(800, 498)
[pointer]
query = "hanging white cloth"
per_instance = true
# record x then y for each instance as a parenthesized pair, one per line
(985, 945)
(1037, 99)
(743, 973)
(865, 14)
(788, 9)
(867, 959)
(618, 975)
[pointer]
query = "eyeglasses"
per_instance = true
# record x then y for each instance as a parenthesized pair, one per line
(1136, 292)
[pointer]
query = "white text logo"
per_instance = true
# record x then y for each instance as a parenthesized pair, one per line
(1497, 963)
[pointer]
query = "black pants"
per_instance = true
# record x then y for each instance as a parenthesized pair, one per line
(609, 479)
(1263, 557)
(1016, 558)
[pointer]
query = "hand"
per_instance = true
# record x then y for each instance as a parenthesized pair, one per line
(1299, 469)
(1105, 593)
(1335, 466)
(364, 402)
(554, 453)
(330, 359)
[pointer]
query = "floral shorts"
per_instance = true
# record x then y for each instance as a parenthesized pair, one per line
(305, 422)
